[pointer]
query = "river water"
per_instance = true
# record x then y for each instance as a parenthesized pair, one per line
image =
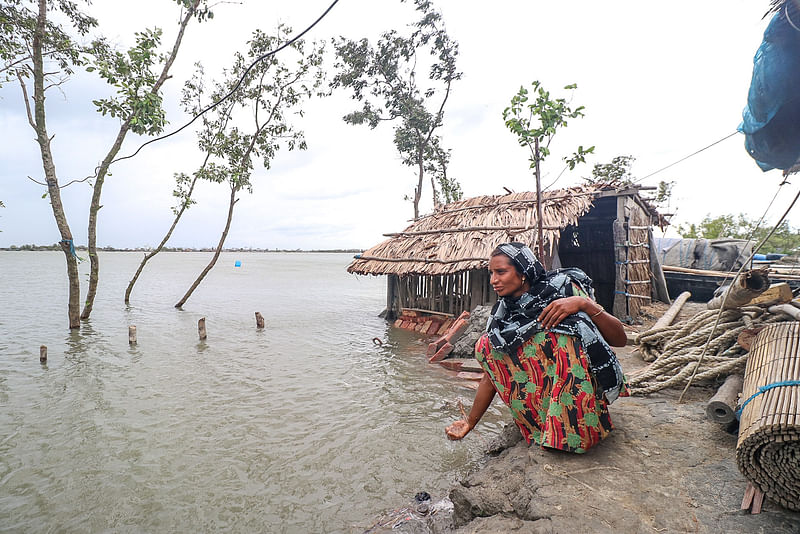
(304, 426)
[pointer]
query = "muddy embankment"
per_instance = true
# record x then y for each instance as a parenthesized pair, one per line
(665, 468)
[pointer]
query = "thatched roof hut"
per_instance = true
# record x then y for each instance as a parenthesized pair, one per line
(438, 263)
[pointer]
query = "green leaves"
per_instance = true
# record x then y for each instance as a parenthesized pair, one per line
(535, 122)
(784, 240)
(383, 78)
(137, 101)
(59, 46)
(255, 121)
(615, 173)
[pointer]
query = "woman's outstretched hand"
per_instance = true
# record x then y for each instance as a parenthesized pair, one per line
(457, 430)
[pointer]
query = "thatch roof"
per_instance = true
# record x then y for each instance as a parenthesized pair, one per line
(462, 235)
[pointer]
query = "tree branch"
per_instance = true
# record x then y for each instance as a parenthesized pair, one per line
(27, 104)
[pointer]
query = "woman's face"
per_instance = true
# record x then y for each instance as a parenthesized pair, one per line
(505, 279)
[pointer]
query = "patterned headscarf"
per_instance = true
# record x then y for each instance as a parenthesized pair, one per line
(524, 258)
(515, 319)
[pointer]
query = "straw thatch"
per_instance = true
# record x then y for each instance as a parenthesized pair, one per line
(462, 235)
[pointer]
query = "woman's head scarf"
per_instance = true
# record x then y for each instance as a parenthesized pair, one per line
(525, 260)
(515, 319)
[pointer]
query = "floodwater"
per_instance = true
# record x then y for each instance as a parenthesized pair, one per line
(304, 426)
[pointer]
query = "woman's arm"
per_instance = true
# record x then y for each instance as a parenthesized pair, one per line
(483, 398)
(610, 327)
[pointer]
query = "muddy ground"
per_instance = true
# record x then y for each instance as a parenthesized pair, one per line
(666, 468)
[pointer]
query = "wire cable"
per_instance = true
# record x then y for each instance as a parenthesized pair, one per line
(686, 157)
(236, 87)
(726, 293)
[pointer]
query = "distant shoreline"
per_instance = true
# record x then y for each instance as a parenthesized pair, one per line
(38, 248)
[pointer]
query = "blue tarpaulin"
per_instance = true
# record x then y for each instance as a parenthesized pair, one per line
(771, 119)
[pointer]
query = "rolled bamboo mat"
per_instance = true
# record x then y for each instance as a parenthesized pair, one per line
(768, 449)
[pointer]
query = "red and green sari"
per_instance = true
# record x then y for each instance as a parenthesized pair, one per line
(551, 393)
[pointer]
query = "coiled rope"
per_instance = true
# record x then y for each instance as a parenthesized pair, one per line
(675, 350)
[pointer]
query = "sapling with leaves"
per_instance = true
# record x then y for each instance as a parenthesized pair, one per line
(385, 79)
(535, 122)
(270, 96)
(214, 122)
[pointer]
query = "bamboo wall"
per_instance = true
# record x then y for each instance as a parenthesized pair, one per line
(452, 293)
(638, 286)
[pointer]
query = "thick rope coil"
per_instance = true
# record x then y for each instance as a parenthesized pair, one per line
(675, 350)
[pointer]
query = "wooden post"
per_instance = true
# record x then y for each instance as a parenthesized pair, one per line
(201, 328)
(43, 354)
(391, 292)
(673, 311)
(620, 307)
(132, 335)
(259, 320)
(722, 406)
(660, 291)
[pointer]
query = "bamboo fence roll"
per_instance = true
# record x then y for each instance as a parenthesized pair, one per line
(768, 449)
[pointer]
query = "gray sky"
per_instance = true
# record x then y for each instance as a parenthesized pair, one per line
(659, 80)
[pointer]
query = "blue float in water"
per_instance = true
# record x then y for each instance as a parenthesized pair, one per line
(238, 263)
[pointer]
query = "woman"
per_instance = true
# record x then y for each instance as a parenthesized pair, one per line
(546, 351)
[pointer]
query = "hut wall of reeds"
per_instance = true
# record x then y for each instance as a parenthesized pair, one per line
(438, 263)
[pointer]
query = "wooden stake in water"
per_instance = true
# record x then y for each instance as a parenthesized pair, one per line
(132, 335)
(43, 354)
(201, 328)
(259, 320)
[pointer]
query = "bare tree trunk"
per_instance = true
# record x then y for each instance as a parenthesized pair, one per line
(236, 185)
(39, 123)
(539, 206)
(94, 207)
(433, 190)
(102, 171)
(148, 257)
(213, 261)
(418, 189)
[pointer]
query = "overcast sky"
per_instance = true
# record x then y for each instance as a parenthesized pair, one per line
(659, 81)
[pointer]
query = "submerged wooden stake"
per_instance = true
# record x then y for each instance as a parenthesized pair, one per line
(201, 328)
(43, 354)
(259, 320)
(132, 335)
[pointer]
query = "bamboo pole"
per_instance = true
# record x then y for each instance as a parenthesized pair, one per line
(742, 290)
(132, 335)
(786, 309)
(673, 311)
(721, 408)
(457, 229)
(43, 354)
